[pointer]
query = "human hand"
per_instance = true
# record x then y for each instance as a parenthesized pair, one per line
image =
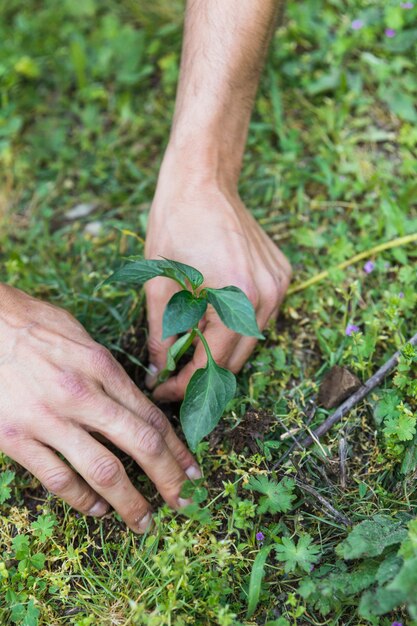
(57, 388)
(212, 231)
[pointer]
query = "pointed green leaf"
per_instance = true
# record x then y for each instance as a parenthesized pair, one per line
(256, 577)
(235, 310)
(194, 277)
(209, 391)
(182, 312)
(137, 272)
(177, 350)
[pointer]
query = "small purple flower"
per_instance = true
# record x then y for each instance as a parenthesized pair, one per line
(260, 536)
(396, 624)
(357, 24)
(390, 32)
(350, 329)
(369, 267)
(401, 294)
(407, 5)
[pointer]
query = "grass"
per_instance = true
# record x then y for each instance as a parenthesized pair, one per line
(87, 91)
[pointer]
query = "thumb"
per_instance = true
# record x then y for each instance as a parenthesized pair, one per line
(158, 293)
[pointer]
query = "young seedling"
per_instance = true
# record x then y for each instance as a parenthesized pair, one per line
(210, 388)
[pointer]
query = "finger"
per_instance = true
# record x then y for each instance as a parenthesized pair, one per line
(117, 384)
(105, 473)
(246, 345)
(241, 354)
(158, 293)
(144, 443)
(222, 342)
(60, 479)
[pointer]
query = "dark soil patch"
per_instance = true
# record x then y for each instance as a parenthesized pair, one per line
(255, 424)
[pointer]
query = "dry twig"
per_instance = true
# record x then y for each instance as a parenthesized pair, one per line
(356, 397)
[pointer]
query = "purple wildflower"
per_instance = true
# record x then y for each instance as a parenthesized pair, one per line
(401, 294)
(390, 32)
(369, 267)
(396, 624)
(260, 536)
(407, 5)
(357, 24)
(350, 329)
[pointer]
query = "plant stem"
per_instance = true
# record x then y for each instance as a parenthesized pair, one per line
(205, 344)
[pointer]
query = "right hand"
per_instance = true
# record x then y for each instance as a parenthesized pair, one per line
(57, 388)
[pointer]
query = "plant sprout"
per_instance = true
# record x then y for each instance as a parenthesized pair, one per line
(211, 388)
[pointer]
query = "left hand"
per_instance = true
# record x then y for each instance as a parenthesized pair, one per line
(214, 232)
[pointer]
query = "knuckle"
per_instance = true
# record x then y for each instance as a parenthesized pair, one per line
(10, 432)
(58, 480)
(73, 385)
(250, 290)
(155, 418)
(183, 456)
(83, 502)
(106, 471)
(101, 360)
(154, 346)
(149, 440)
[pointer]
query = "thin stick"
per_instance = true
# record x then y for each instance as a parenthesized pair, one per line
(336, 514)
(359, 395)
(400, 241)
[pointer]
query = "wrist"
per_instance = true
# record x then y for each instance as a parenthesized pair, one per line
(193, 165)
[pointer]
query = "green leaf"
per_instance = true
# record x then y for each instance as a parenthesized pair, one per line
(182, 312)
(194, 277)
(209, 391)
(195, 512)
(38, 560)
(387, 406)
(32, 615)
(235, 310)
(195, 490)
(177, 350)
(21, 546)
(405, 582)
(277, 497)
(379, 602)
(139, 270)
(256, 578)
(371, 537)
(302, 555)
(399, 101)
(6, 478)
(44, 526)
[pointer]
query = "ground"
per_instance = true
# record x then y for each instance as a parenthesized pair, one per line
(87, 93)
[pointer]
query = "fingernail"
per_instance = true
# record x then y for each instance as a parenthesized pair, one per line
(99, 508)
(151, 376)
(145, 523)
(193, 472)
(183, 503)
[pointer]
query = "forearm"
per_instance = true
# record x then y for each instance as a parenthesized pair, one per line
(225, 43)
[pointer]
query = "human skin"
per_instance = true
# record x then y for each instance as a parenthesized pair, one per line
(197, 216)
(58, 387)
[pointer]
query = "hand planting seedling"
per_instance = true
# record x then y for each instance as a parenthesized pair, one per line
(212, 387)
